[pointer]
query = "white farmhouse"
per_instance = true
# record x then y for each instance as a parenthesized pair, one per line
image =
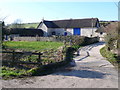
(83, 27)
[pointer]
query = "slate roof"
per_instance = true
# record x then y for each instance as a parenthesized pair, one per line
(26, 31)
(72, 23)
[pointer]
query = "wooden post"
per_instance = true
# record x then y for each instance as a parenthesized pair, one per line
(13, 58)
(39, 59)
(78, 53)
(88, 53)
(29, 58)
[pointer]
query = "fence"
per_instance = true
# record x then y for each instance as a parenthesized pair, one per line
(14, 58)
(47, 56)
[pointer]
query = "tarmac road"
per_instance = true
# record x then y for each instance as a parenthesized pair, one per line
(89, 70)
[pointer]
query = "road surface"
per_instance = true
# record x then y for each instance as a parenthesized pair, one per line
(89, 70)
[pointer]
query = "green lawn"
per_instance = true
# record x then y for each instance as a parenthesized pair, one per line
(29, 46)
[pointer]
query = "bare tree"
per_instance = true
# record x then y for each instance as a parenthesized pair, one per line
(2, 17)
(17, 23)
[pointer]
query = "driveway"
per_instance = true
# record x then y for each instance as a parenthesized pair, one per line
(89, 70)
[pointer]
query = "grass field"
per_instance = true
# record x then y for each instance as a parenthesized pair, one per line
(26, 25)
(10, 72)
(29, 46)
(30, 25)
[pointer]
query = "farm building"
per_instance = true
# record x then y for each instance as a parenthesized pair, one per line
(109, 28)
(26, 32)
(83, 27)
(23, 32)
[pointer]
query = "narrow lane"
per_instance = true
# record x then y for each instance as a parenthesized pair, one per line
(91, 71)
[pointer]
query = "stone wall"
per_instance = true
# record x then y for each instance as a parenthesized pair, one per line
(79, 39)
(34, 39)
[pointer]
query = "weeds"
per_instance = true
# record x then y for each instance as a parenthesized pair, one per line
(111, 57)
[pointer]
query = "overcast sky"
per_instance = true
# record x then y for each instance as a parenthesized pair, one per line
(30, 12)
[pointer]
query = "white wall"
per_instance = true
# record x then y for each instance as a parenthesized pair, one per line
(88, 32)
(69, 31)
(84, 31)
(44, 28)
(58, 31)
(101, 36)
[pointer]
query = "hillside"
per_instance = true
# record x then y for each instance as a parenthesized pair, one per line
(23, 25)
(105, 23)
(34, 25)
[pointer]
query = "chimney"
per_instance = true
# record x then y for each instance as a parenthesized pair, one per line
(43, 19)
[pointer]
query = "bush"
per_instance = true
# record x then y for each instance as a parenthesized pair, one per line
(111, 57)
(112, 36)
(77, 40)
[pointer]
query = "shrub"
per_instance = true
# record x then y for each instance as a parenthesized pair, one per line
(112, 36)
(111, 57)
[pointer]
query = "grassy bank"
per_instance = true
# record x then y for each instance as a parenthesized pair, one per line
(10, 72)
(111, 57)
(29, 46)
(23, 70)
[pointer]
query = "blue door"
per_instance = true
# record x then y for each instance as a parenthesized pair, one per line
(65, 33)
(76, 31)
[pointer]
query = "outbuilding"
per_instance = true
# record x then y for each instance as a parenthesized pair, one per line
(83, 27)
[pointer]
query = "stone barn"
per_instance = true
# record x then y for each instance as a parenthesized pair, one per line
(83, 27)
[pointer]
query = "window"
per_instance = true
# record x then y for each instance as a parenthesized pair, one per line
(65, 33)
(101, 33)
(53, 33)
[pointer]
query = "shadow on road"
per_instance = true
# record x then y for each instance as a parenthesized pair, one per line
(82, 74)
(82, 58)
(89, 47)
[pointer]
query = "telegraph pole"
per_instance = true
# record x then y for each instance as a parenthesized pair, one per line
(92, 27)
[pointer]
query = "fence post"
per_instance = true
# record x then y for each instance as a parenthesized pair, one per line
(39, 58)
(29, 58)
(13, 58)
